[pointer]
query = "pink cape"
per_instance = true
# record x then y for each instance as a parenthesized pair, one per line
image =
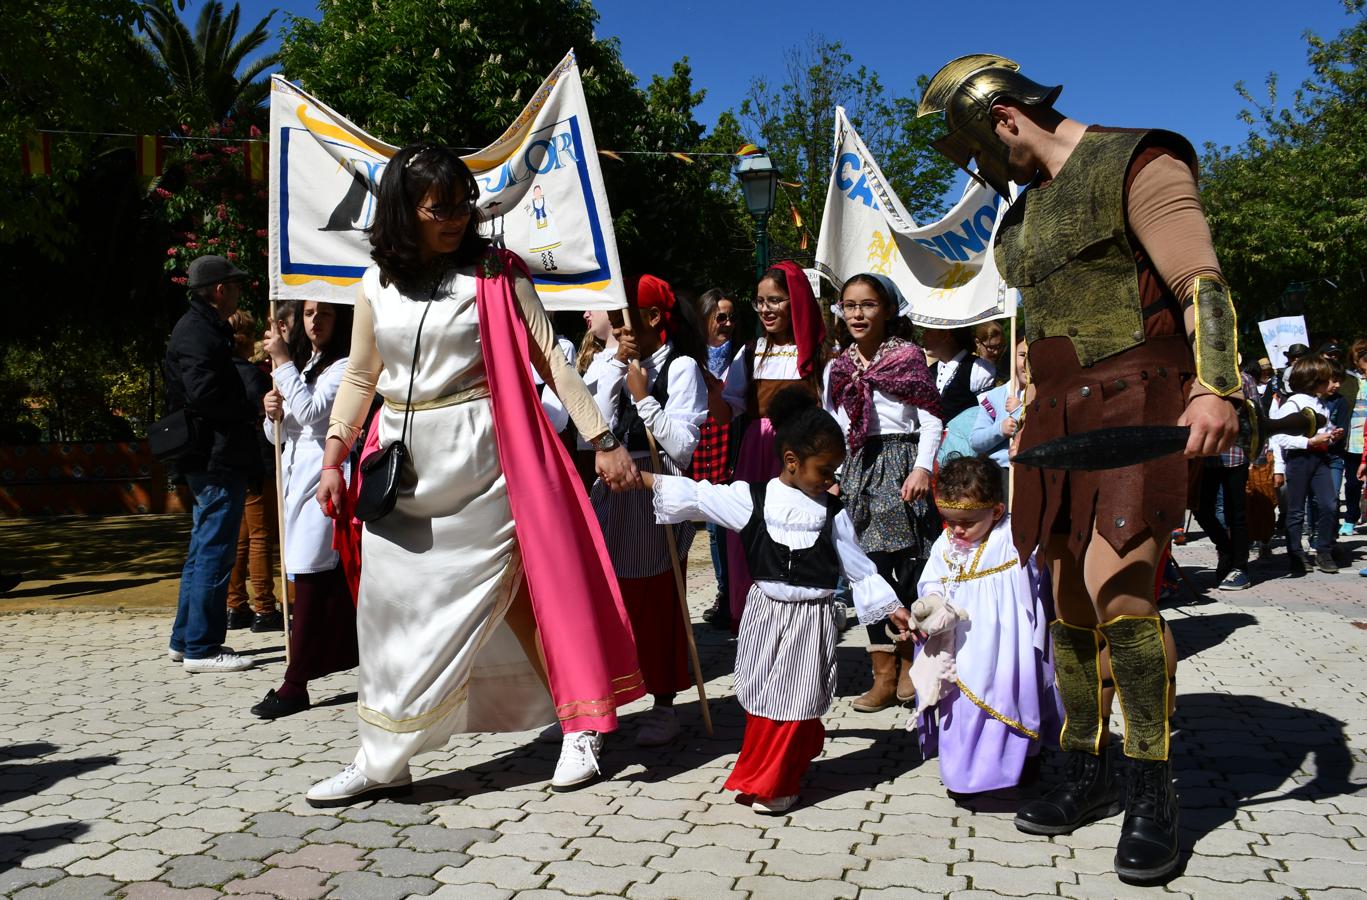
(585, 633)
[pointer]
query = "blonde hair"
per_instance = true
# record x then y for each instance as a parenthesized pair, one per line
(589, 347)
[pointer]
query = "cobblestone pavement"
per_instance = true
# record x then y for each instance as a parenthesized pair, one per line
(120, 775)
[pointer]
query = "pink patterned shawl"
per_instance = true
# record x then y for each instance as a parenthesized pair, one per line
(898, 371)
(590, 651)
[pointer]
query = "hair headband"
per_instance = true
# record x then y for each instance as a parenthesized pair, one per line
(964, 504)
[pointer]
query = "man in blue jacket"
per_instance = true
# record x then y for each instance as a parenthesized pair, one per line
(201, 379)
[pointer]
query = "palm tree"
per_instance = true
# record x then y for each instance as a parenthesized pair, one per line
(206, 86)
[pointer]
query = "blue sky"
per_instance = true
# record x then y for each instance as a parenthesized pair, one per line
(1193, 50)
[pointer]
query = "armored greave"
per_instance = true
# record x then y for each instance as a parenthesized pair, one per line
(1077, 671)
(1140, 669)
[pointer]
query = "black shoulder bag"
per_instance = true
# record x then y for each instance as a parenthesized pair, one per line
(381, 471)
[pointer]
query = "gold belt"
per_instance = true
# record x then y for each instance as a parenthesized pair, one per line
(478, 392)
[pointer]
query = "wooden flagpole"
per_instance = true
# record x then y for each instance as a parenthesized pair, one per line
(683, 600)
(280, 512)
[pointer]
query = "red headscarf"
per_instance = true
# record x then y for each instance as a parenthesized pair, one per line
(649, 292)
(809, 330)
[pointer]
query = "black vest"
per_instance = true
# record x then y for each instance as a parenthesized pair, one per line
(816, 567)
(957, 395)
(631, 430)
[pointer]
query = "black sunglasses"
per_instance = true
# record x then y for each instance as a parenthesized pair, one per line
(723, 318)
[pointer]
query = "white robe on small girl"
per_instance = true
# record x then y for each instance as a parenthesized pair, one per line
(987, 724)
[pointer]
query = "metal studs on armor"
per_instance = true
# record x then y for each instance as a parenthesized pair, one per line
(1053, 401)
(1072, 331)
(1119, 521)
(1085, 391)
(1138, 336)
(1221, 381)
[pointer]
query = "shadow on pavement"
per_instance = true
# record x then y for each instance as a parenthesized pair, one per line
(1194, 635)
(24, 779)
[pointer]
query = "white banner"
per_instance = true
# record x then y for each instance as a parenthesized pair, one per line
(541, 192)
(946, 270)
(1279, 334)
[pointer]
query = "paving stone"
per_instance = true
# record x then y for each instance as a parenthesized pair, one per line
(371, 835)
(500, 871)
(1108, 887)
(1014, 882)
(926, 877)
(1319, 874)
(539, 847)
(437, 837)
(461, 817)
(171, 841)
(768, 887)
(737, 837)
(323, 857)
(719, 860)
(672, 885)
(393, 862)
(605, 852)
(60, 854)
(155, 890)
(1012, 853)
(13, 879)
(1234, 869)
(800, 866)
(385, 811)
(193, 871)
(913, 846)
(897, 893)
(562, 825)
(285, 883)
(583, 877)
(280, 824)
(470, 892)
(72, 887)
(625, 828)
(241, 845)
(122, 865)
(369, 886)
(806, 840)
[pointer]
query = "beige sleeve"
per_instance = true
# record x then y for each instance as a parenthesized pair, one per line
(362, 373)
(554, 370)
(1167, 218)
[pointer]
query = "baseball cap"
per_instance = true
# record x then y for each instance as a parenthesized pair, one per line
(210, 270)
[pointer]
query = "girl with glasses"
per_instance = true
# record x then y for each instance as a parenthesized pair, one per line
(786, 354)
(712, 458)
(879, 389)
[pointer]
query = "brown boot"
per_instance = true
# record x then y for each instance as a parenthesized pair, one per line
(906, 691)
(882, 694)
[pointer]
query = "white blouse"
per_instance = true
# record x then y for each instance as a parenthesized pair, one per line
(982, 378)
(892, 417)
(1280, 443)
(778, 364)
(792, 519)
(678, 425)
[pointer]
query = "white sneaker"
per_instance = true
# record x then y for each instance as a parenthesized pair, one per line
(774, 806)
(175, 655)
(351, 786)
(551, 734)
(660, 727)
(225, 661)
(578, 763)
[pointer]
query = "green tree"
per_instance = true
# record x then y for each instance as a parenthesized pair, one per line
(1288, 207)
(795, 121)
(209, 77)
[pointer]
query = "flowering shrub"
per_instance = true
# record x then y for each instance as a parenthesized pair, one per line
(212, 206)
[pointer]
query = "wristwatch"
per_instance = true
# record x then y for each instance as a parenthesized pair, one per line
(605, 441)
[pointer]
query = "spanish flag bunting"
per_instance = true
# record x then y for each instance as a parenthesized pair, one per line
(747, 150)
(610, 155)
(683, 156)
(797, 217)
(803, 245)
(150, 154)
(791, 184)
(37, 154)
(254, 159)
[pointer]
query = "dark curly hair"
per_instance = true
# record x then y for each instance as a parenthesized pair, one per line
(338, 346)
(413, 172)
(802, 426)
(969, 478)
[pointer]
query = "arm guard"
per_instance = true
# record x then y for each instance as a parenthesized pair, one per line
(1215, 342)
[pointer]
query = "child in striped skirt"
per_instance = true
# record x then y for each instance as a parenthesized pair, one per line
(798, 541)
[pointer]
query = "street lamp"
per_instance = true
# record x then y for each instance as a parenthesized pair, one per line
(759, 183)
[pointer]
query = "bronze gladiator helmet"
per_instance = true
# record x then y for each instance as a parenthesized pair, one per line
(964, 90)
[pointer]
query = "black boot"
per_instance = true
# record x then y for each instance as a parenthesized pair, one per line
(1088, 792)
(718, 615)
(1147, 851)
(239, 618)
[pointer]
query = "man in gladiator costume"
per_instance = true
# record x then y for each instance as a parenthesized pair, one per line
(1129, 322)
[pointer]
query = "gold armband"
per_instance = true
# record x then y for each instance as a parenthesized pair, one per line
(1216, 343)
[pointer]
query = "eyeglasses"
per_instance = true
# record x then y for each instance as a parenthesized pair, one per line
(445, 212)
(864, 309)
(722, 318)
(762, 303)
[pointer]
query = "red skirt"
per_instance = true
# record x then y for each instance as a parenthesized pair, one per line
(657, 624)
(775, 755)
